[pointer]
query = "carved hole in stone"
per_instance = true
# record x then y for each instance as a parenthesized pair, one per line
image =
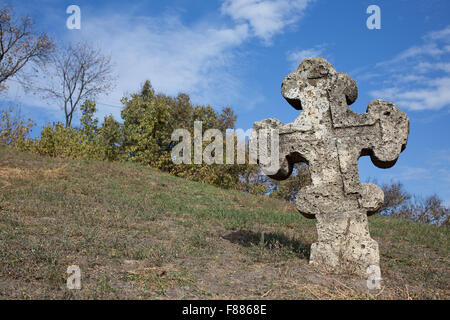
(366, 162)
(387, 113)
(369, 172)
(301, 175)
(295, 103)
(363, 246)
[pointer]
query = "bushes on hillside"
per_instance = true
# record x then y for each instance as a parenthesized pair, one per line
(13, 130)
(145, 137)
(150, 119)
(400, 203)
(87, 142)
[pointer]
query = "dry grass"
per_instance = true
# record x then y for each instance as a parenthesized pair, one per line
(137, 233)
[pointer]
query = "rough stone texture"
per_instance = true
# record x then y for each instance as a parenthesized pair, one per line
(330, 138)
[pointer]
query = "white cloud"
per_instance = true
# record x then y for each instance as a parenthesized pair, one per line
(429, 49)
(433, 97)
(424, 67)
(195, 59)
(199, 58)
(406, 173)
(440, 34)
(435, 45)
(266, 18)
(202, 58)
(173, 56)
(295, 57)
(418, 78)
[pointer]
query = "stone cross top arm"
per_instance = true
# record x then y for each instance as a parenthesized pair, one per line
(330, 138)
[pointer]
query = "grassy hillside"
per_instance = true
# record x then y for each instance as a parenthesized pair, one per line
(137, 233)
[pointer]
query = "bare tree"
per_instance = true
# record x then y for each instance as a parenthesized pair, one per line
(400, 203)
(19, 44)
(76, 73)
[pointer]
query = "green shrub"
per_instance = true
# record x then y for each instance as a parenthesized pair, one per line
(86, 142)
(14, 131)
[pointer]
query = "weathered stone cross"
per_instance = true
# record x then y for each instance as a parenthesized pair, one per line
(330, 138)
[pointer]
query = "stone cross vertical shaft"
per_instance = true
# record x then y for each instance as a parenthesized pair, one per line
(330, 138)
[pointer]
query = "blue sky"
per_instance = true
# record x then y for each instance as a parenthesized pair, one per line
(237, 52)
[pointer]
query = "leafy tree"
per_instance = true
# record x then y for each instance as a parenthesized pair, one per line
(227, 118)
(13, 130)
(147, 127)
(88, 122)
(58, 140)
(150, 119)
(111, 137)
